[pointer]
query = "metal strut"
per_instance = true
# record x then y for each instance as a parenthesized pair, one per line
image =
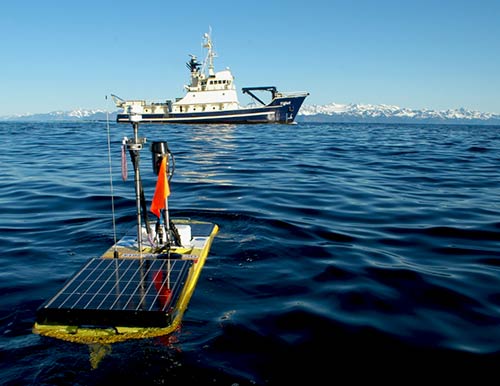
(134, 146)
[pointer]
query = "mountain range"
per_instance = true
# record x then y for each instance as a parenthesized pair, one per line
(367, 113)
(333, 112)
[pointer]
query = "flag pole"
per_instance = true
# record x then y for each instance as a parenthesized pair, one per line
(159, 205)
(167, 215)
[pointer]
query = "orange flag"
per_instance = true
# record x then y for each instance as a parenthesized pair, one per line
(162, 190)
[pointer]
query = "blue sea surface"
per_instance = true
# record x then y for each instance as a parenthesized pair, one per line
(345, 251)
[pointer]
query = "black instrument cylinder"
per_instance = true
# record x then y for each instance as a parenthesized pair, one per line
(159, 150)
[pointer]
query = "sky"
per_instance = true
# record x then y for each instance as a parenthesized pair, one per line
(66, 55)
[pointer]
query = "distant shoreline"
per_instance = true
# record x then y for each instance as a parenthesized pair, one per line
(333, 113)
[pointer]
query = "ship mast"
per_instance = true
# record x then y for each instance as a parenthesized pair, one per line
(211, 54)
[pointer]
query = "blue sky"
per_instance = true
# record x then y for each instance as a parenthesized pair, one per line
(62, 55)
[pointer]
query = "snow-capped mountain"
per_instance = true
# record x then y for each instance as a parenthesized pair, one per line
(73, 115)
(332, 112)
(336, 112)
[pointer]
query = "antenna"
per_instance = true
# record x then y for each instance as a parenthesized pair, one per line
(210, 54)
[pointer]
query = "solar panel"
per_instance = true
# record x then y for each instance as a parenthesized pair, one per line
(201, 229)
(131, 292)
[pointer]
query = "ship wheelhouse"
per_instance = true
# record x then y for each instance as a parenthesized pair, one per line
(208, 93)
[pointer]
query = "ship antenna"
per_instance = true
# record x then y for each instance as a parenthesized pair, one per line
(211, 54)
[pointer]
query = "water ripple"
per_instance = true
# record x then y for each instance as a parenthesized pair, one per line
(374, 244)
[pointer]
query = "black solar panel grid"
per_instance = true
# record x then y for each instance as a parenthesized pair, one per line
(122, 284)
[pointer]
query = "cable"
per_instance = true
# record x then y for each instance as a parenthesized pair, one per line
(111, 180)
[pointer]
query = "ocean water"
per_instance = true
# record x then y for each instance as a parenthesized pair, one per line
(345, 251)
